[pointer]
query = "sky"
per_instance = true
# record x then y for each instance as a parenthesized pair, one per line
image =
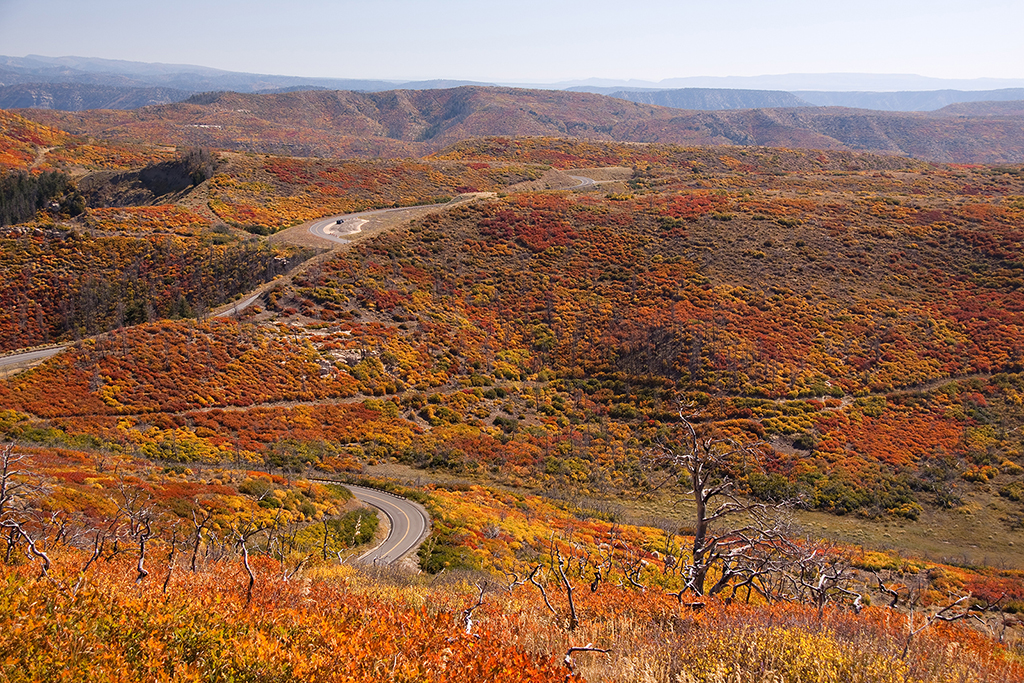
(531, 41)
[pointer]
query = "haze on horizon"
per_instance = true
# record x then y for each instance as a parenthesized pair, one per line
(532, 41)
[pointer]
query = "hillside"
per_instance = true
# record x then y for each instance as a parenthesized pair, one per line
(1013, 109)
(833, 304)
(75, 97)
(400, 123)
(161, 234)
(834, 337)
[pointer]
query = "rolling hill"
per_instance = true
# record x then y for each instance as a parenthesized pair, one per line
(417, 122)
(842, 330)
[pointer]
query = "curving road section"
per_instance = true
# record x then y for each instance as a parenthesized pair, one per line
(409, 525)
(334, 228)
(331, 230)
(28, 357)
(240, 306)
(583, 181)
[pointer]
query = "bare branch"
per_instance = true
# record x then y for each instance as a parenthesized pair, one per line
(199, 524)
(295, 570)
(589, 647)
(573, 619)
(947, 614)
(543, 593)
(894, 596)
(467, 614)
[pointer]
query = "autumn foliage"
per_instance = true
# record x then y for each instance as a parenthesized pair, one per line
(854, 319)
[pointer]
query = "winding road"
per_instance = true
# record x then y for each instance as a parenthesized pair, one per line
(240, 306)
(334, 228)
(583, 181)
(29, 357)
(409, 525)
(331, 229)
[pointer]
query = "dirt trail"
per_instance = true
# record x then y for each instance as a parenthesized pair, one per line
(555, 179)
(934, 384)
(512, 386)
(923, 387)
(40, 156)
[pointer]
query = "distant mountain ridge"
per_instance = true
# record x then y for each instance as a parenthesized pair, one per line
(713, 99)
(80, 97)
(845, 82)
(190, 78)
(908, 100)
(983, 109)
(175, 82)
(36, 69)
(418, 122)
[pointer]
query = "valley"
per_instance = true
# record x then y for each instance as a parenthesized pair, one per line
(537, 312)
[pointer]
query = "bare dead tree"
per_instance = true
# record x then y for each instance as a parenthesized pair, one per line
(735, 551)
(467, 614)
(951, 612)
(242, 535)
(283, 544)
(171, 556)
(822, 575)
(606, 553)
(1005, 621)
(137, 509)
(14, 485)
(145, 530)
(199, 524)
(632, 564)
(762, 567)
(327, 533)
(97, 551)
(62, 523)
(573, 620)
(274, 533)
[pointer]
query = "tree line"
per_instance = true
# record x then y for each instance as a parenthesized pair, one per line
(23, 194)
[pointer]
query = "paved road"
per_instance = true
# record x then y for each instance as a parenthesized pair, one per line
(352, 223)
(583, 181)
(29, 357)
(409, 524)
(240, 306)
(329, 229)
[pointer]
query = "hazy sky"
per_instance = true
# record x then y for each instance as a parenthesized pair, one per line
(531, 40)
